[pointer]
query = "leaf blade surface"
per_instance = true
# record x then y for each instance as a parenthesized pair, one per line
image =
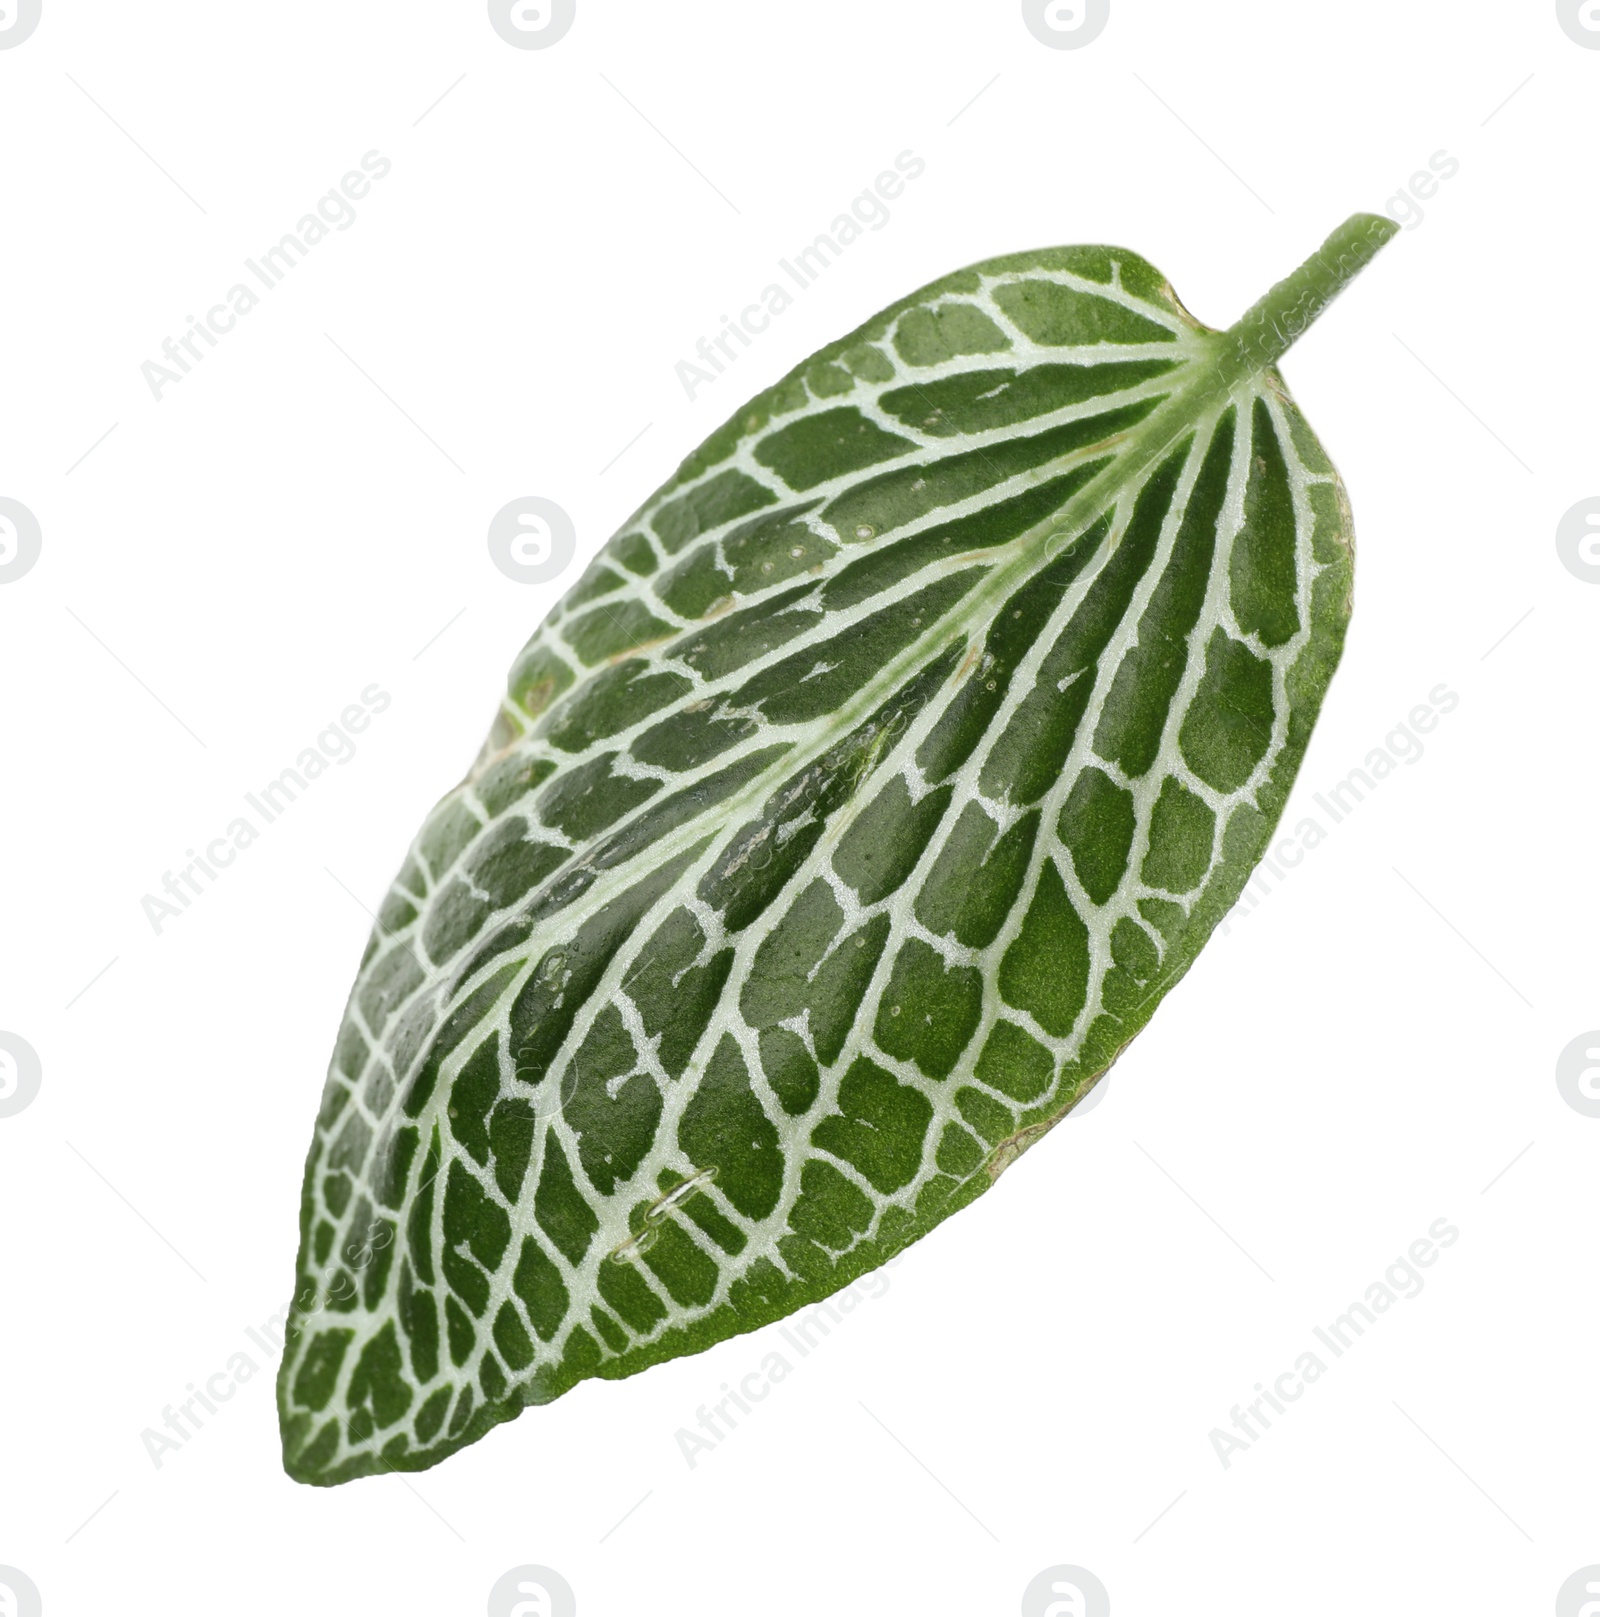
(837, 830)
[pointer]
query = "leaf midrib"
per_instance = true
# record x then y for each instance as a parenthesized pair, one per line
(1145, 445)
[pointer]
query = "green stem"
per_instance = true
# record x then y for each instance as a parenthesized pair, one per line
(1229, 360)
(1266, 331)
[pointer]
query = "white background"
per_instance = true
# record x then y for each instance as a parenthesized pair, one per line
(1361, 1055)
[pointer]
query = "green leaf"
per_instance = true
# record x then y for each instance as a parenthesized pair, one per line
(837, 831)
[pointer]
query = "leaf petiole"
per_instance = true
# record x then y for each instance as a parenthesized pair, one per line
(1265, 332)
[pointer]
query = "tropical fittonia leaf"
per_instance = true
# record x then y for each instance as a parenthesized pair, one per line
(836, 832)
